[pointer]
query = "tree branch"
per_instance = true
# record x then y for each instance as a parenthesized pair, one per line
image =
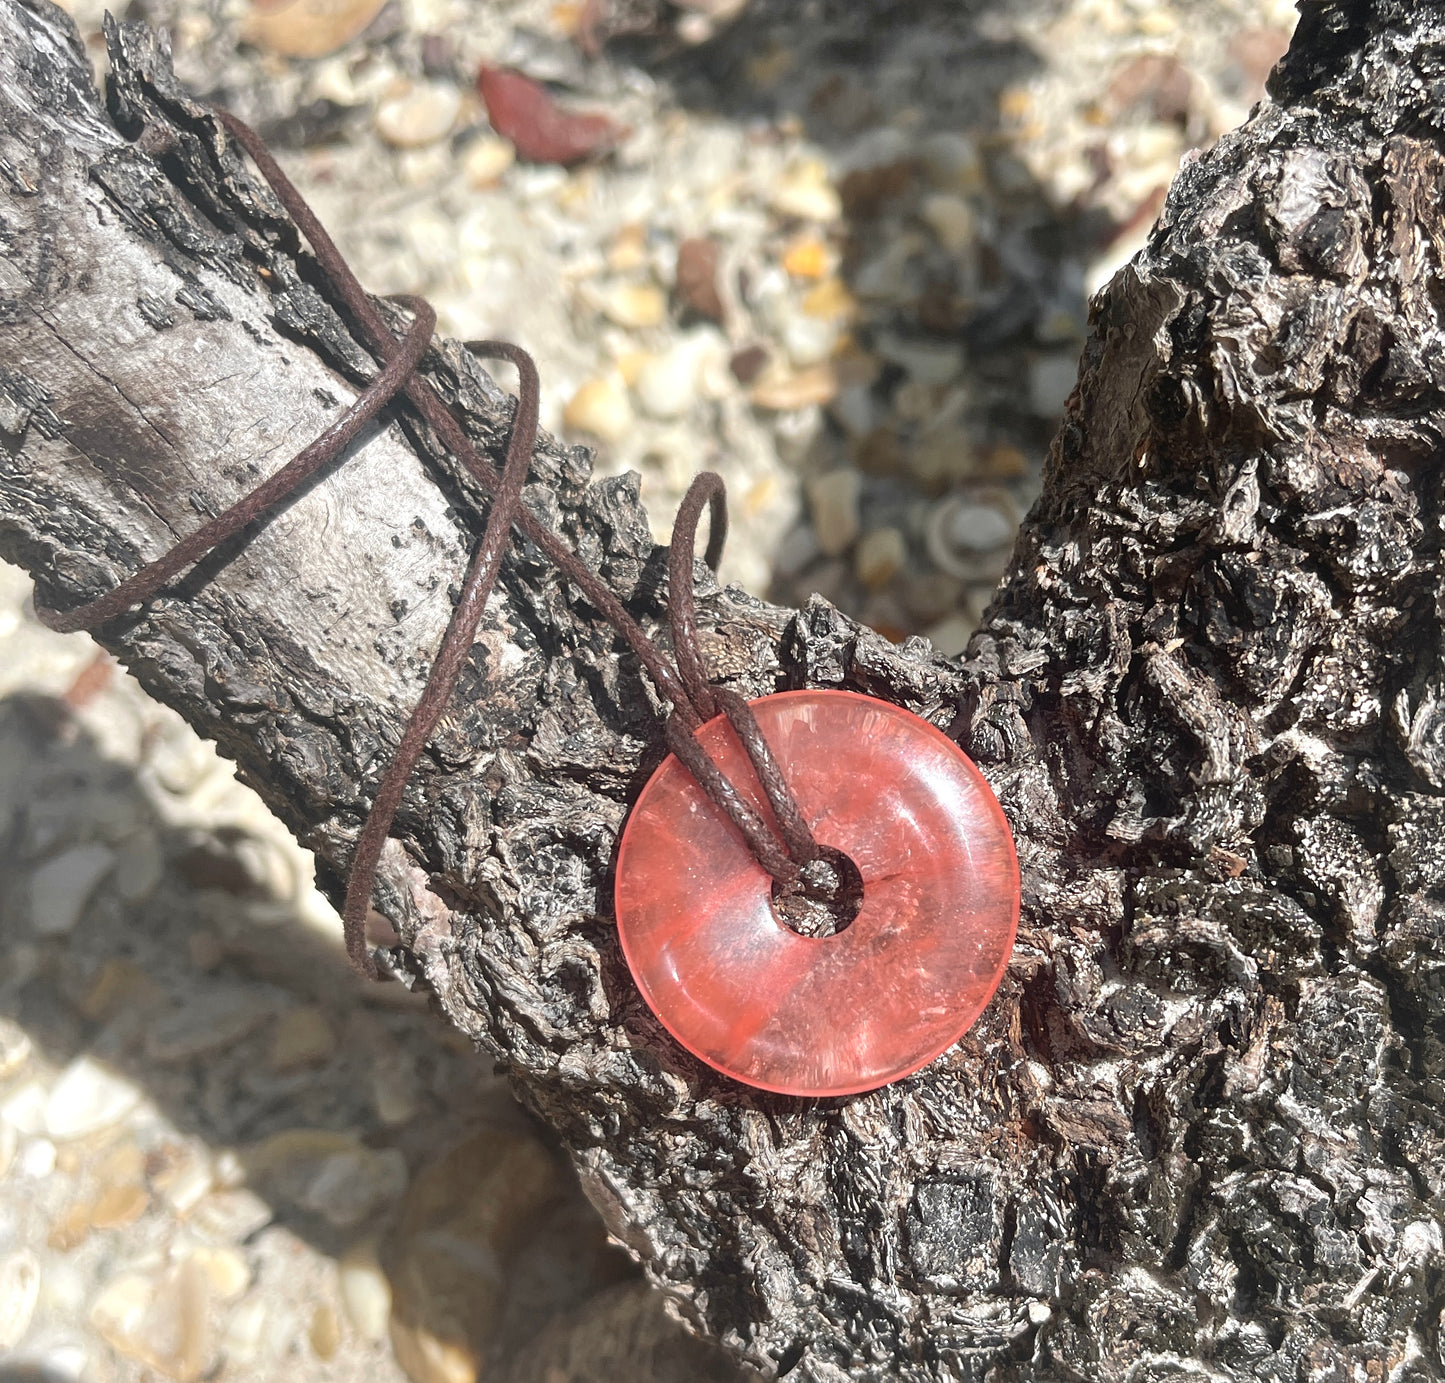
(1201, 1119)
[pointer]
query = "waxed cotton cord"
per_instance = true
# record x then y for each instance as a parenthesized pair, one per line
(708, 489)
(137, 589)
(782, 847)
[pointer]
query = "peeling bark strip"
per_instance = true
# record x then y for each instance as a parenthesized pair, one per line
(1200, 1127)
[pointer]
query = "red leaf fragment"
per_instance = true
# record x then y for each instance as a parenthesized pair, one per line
(524, 112)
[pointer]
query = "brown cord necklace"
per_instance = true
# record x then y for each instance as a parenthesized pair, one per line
(722, 854)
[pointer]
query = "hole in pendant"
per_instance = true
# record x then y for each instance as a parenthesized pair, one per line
(825, 899)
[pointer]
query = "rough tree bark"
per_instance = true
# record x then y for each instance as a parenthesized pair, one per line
(1199, 1130)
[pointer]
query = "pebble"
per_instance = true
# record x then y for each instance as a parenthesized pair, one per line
(925, 362)
(23, 1108)
(140, 868)
(890, 275)
(715, 378)
(798, 548)
(808, 340)
(951, 161)
(855, 410)
(69, 1229)
(419, 116)
(1256, 51)
(880, 452)
(227, 1270)
(696, 277)
(423, 168)
(1003, 462)
(393, 1092)
(976, 527)
(486, 160)
(524, 111)
(958, 530)
(805, 191)
(163, 1322)
(783, 393)
(216, 1019)
(879, 557)
(365, 1291)
(61, 887)
(942, 457)
(830, 301)
(628, 250)
(114, 1207)
(245, 1332)
(833, 499)
(268, 864)
(37, 1159)
(951, 634)
(870, 192)
(301, 1037)
(748, 363)
(87, 1098)
(666, 384)
(350, 1186)
(951, 219)
(19, 1291)
(183, 1177)
(881, 146)
(465, 1217)
(15, 1046)
(9, 1146)
(930, 596)
(331, 1174)
(228, 1169)
(118, 985)
(228, 1217)
(118, 1206)
(1051, 381)
(308, 28)
(705, 17)
(430, 1359)
(1156, 85)
(325, 1332)
(601, 409)
(634, 305)
(808, 257)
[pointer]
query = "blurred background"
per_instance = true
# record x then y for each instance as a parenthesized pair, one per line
(840, 251)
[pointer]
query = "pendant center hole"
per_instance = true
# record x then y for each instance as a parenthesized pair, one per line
(826, 897)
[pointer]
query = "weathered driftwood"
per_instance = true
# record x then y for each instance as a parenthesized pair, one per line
(1200, 1127)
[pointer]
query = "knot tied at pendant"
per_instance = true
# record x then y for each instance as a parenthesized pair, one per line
(727, 970)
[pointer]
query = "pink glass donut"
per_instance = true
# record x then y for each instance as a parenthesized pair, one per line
(897, 987)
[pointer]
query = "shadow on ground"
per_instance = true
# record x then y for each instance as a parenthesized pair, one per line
(297, 1103)
(965, 288)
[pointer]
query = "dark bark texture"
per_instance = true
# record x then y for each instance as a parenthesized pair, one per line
(1199, 1132)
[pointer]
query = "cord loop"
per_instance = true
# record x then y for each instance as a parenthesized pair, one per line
(782, 845)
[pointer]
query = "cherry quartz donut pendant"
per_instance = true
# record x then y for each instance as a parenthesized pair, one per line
(875, 1001)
